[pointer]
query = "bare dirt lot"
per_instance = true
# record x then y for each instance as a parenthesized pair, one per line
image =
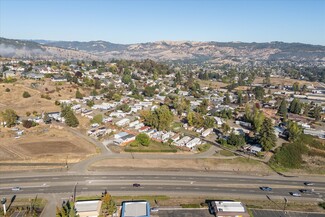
(285, 81)
(237, 165)
(44, 144)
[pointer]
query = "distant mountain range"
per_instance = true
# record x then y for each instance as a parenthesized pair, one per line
(214, 52)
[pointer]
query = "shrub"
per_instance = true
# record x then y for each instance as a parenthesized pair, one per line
(26, 94)
(27, 124)
(97, 119)
(45, 96)
(143, 139)
(28, 114)
(7, 89)
(57, 102)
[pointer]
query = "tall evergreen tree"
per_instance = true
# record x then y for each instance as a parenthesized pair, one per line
(282, 111)
(267, 137)
(294, 131)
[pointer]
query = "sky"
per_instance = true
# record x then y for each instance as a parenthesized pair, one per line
(136, 21)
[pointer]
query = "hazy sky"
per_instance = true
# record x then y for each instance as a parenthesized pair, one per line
(132, 21)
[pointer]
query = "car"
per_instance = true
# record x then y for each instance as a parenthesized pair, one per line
(16, 189)
(154, 209)
(306, 191)
(308, 183)
(136, 185)
(264, 188)
(295, 194)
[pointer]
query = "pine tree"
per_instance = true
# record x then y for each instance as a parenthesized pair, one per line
(294, 131)
(71, 120)
(282, 111)
(317, 113)
(267, 137)
(295, 106)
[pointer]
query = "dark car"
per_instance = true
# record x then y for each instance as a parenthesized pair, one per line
(136, 185)
(306, 191)
(264, 188)
(308, 183)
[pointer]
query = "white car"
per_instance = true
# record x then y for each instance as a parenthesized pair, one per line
(295, 194)
(16, 189)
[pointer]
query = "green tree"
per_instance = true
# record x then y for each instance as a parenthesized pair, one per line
(26, 94)
(9, 117)
(267, 137)
(143, 139)
(209, 122)
(225, 128)
(317, 113)
(203, 107)
(295, 106)
(108, 205)
(90, 103)
(226, 99)
(307, 108)
(70, 118)
(236, 140)
(126, 79)
(259, 92)
(295, 87)
(149, 91)
(282, 110)
(46, 118)
(240, 98)
(160, 118)
(294, 131)
(79, 95)
(124, 107)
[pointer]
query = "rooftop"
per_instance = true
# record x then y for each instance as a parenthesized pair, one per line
(229, 206)
(135, 209)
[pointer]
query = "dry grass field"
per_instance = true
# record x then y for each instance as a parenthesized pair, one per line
(44, 144)
(285, 81)
(14, 99)
(239, 165)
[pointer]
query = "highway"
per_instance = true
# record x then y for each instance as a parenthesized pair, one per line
(165, 183)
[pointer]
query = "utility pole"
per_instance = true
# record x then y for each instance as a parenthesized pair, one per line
(75, 192)
(3, 202)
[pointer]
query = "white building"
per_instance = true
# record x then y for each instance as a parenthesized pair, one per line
(193, 142)
(122, 122)
(206, 132)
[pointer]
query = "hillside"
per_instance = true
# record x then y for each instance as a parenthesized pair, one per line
(214, 52)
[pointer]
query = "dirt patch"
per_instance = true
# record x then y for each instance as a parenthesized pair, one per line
(285, 81)
(51, 147)
(238, 165)
(44, 143)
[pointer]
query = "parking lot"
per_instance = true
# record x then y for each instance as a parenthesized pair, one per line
(184, 213)
(273, 213)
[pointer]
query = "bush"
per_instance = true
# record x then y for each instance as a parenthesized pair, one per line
(322, 204)
(134, 144)
(57, 102)
(46, 96)
(28, 114)
(7, 89)
(97, 119)
(26, 94)
(27, 124)
(143, 139)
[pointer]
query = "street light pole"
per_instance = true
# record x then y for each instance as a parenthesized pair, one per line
(75, 192)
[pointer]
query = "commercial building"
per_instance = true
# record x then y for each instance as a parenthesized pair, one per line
(88, 208)
(229, 209)
(135, 209)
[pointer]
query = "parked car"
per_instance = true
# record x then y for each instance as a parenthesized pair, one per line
(136, 185)
(16, 189)
(264, 188)
(308, 183)
(295, 194)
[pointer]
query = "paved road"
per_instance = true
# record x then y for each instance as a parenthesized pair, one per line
(164, 183)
